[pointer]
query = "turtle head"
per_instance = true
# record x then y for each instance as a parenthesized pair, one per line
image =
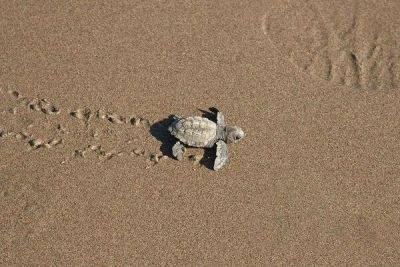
(234, 134)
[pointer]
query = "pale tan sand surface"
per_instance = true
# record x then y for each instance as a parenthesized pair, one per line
(314, 86)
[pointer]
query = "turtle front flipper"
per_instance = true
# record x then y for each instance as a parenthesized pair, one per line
(220, 119)
(178, 150)
(222, 155)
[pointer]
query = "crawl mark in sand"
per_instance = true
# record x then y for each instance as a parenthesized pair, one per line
(36, 104)
(84, 132)
(344, 48)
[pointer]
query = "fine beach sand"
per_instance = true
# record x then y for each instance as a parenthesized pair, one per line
(85, 94)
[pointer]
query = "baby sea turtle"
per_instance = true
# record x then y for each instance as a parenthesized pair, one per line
(198, 131)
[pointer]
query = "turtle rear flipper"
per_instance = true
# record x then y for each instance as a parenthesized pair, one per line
(178, 150)
(175, 119)
(222, 155)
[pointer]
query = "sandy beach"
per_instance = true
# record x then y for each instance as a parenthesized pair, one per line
(86, 172)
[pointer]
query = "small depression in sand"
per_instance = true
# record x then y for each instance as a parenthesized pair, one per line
(352, 44)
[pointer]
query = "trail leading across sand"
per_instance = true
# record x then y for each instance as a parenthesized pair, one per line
(40, 124)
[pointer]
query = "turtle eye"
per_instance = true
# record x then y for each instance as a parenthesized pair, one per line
(237, 137)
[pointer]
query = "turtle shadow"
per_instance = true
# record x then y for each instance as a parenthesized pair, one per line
(159, 130)
(210, 114)
(209, 158)
(209, 153)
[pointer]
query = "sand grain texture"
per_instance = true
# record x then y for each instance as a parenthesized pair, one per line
(85, 95)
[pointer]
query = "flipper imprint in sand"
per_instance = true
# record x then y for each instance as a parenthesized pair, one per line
(78, 133)
(343, 47)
